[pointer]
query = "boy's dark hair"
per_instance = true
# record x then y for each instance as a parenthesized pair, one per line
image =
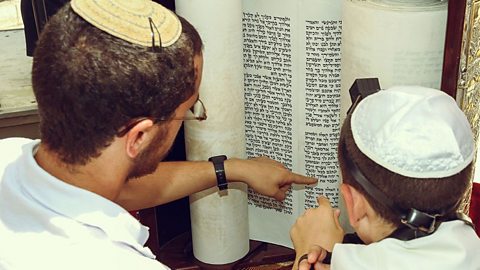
(88, 83)
(432, 195)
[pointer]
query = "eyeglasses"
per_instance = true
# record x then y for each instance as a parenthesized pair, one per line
(196, 112)
(152, 33)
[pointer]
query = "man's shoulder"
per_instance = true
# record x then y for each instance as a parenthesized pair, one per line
(14, 142)
(11, 148)
(45, 251)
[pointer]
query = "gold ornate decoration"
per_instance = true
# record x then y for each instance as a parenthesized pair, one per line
(468, 89)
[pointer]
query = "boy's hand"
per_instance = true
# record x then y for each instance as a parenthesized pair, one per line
(315, 257)
(264, 175)
(317, 227)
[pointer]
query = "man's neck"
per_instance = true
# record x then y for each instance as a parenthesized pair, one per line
(102, 175)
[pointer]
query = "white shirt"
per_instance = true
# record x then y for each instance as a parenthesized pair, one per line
(46, 223)
(454, 246)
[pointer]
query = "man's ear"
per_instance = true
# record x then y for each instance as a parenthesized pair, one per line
(137, 136)
(355, 203)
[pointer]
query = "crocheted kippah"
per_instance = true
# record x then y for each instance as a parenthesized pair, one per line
(129, 20)
(413, 131)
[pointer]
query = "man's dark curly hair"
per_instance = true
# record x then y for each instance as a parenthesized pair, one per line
(431, 195)
(88, 83)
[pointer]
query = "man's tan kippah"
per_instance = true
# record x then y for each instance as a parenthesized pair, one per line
(129, 20)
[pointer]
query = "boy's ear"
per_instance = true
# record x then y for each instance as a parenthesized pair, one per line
(354, 203)
(136, 137)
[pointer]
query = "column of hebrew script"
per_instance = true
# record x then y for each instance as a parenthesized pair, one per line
(268, 117)
(269, 63)
(292, 84)
(322, 107)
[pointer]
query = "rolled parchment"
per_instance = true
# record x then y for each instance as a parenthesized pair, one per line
(219, 219)
(401, 42)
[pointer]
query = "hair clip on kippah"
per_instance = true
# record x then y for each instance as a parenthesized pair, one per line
(152, 26)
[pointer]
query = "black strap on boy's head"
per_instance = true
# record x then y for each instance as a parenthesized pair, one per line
(406, 233)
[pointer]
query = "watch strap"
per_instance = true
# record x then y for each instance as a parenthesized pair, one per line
(218, 164)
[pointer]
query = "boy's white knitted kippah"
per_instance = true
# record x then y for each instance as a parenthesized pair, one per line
(129, 20)
(413, 131)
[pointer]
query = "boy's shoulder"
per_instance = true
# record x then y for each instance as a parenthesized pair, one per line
(452, 242)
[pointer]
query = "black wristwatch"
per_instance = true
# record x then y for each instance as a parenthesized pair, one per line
(220, 171)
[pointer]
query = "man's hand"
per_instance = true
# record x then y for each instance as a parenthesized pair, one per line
(174, 180)
(264, 175)
(316, 227)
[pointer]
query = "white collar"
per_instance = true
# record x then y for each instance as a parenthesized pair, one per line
(79, 204)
